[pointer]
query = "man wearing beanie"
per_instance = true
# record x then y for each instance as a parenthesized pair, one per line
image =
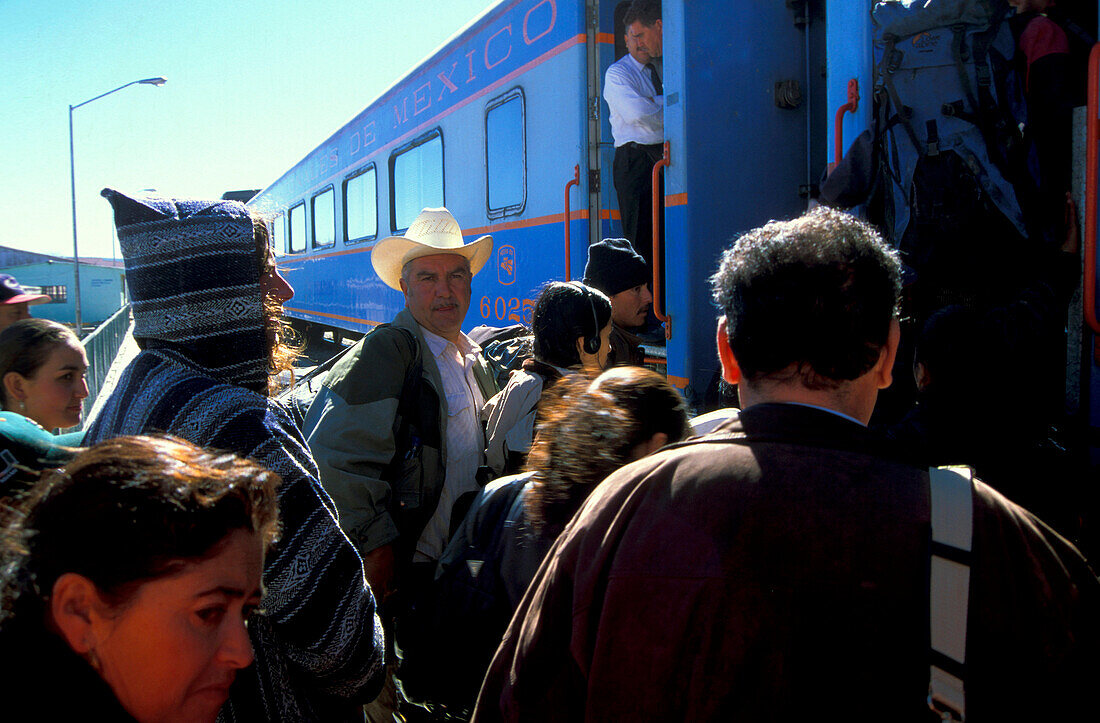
(616, 269)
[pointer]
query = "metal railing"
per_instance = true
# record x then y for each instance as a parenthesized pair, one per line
(102, 347)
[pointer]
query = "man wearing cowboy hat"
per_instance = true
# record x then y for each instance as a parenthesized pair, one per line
(14, 301)
(396, 448)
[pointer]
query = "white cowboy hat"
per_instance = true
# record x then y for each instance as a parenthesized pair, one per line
(435, 231)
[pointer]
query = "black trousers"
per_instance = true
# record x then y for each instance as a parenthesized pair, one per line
(632, 173)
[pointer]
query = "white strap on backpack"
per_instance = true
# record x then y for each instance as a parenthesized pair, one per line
(949, 588)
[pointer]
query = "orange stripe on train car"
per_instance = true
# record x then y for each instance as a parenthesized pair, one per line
(333, 316)
(527, 223)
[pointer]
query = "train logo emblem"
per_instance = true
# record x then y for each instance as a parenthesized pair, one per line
(506, 265)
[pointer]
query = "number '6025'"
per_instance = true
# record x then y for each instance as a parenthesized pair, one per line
(513, 310)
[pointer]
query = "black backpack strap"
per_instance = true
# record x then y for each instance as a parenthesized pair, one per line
(891, 61)
(997, 127)
(414, 372)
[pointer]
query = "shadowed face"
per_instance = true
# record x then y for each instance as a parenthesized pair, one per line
(437, 292)
(11, 313)
(646, 39)
(629, 308)
(272, 283)
(172, 651)
(632, 48)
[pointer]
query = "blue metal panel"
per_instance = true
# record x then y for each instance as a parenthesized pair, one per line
(848, 50)
(739, 158)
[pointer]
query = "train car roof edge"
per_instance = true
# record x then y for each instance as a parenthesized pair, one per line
(257, 200)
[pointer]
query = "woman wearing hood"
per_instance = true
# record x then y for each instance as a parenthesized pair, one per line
(206, 300)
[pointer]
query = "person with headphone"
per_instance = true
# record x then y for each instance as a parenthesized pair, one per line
(571, 324)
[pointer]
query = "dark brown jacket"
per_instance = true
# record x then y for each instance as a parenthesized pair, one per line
(777, 569)
(626, 349)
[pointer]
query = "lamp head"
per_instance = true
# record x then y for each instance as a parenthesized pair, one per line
(154, 81)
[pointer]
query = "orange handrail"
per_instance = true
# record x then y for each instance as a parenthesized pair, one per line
(658, 206)
(850, 107)
(1092, 157)
(576, 181)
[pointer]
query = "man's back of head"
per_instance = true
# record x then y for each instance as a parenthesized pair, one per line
(787, 555)
(809, 303)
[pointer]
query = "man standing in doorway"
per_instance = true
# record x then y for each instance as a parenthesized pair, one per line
(635, 96)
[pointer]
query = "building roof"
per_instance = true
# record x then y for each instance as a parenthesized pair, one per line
(10, 257)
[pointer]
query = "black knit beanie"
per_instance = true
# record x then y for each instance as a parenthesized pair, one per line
(614, 266)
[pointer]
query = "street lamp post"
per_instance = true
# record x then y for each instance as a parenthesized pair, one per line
(72, 183)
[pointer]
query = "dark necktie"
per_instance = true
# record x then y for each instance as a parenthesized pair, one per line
(657, 86)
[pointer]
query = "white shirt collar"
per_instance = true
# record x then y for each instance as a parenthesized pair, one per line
(634, 63)
(438, 344)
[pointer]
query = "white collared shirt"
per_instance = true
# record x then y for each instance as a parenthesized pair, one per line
(465, 437)
(637, 112)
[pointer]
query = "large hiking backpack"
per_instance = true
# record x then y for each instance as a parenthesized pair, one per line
(949, 111)
(504, 348)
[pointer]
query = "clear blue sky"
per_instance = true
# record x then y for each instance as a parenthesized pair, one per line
(252, 87)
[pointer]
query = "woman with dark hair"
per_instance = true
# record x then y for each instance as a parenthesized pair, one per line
(42, 366)
(587, 430)
(571, 324)
(127, 582)
(206, 296)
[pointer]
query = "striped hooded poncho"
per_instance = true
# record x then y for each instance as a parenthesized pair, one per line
(193, 271)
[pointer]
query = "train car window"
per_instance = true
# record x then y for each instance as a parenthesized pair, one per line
(361, 205)
(296, 243)
(416, 179)
(278, 234)
(505, 154)
(324, 219)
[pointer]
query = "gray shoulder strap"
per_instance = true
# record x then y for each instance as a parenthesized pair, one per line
(949, 587)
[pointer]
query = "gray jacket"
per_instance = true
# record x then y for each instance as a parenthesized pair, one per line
(385, 476)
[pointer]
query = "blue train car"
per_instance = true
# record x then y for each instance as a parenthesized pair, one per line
(506, 126)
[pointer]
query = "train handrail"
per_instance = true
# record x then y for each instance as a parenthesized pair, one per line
(575, 181)
(1092, 145)
(838, 130)
(658, 207)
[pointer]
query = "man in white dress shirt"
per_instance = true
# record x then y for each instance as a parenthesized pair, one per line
(635, 96)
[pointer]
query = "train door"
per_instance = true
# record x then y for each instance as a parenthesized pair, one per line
(743, 92)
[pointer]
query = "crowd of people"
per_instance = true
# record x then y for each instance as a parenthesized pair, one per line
(369, 566)
(427, 544)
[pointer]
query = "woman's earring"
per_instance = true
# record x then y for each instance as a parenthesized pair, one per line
(22, 406)
(92, 659)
